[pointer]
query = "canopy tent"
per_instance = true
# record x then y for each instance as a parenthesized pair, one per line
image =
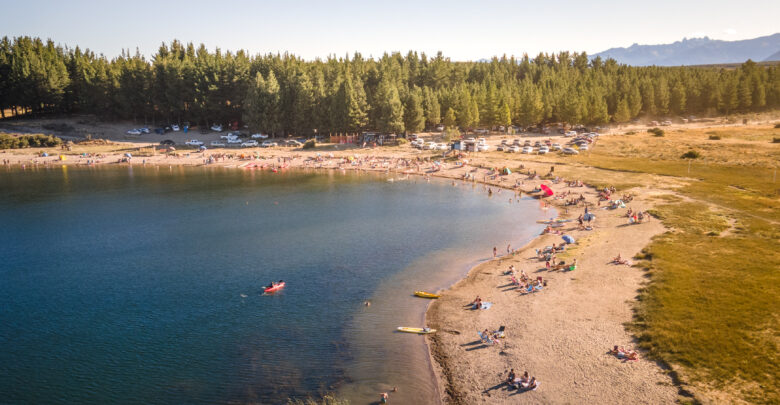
(546, 190)
(568, 239)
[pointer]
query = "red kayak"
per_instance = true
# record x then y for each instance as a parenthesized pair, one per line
(274, 288)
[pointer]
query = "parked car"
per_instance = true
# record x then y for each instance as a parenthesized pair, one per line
(570, 151)
(217, 143)
(527, 142)
(440, 127)
(134, 132)
(216, 128)
(501, 148)
(249, 143)
(194, 142)
(556, 146)
(429, 146)
(268, 144)
(233, 141)
(159, 131)
(543, 150)
(504, 142)
(528, 149)
(144, 130)
(442, 146)
(294, 143)
(583, 147)
(537, 144)
(483, 147)
(513, 149)
(666, 123)
(570, 133)
(175, 128)
(167, 142)
(481, 141)
(259, 136)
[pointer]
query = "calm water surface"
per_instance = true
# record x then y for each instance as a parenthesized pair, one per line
(144, 285)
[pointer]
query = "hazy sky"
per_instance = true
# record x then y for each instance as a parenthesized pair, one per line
(463, 30)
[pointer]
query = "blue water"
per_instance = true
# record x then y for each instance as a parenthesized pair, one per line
(144, 285)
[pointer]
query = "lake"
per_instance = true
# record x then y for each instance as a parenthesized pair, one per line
(145, 284)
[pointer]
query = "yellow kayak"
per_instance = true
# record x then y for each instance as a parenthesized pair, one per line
(419, 331)
(426, 294)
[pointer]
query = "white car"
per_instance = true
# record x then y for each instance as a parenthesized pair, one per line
(194, 142)
(134, 132)
(528, 149)
(430, 146)
(666, 123)
(483, 147)
(250, 143)
(144, 130)
(175, 127)
(418, 143)
(481, 141)
(216, 128)
(543, 150)
(556, 146)
(442, 146)
(233, 140)
(217, 143)
(570, 151)
(268, 144)
(583, 147)
(570, 133)
(512, 149)
(259, 136)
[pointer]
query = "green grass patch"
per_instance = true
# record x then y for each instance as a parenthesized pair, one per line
(713, 303)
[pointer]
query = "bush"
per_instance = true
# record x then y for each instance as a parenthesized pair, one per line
(777, 125)
(656, 131)
(403, 141)
(714, 137)
(631, 133)
(310, 144)
(775, 140)
(8, 141)
(691, 154)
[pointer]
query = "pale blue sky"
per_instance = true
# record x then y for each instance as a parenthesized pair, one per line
(463, 30)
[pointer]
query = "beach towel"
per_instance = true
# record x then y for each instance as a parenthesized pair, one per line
(486, 305)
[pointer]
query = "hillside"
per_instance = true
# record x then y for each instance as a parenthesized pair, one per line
(697, 51)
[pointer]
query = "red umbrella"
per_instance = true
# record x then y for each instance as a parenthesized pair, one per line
(546, 190)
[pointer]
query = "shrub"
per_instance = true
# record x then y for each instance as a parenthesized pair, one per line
(777, 125)
(656, 131)
(8, 141)
(631, 133)
(403, 141)
(714, 137)
(775, 140)
(310, 144)
(691, 154)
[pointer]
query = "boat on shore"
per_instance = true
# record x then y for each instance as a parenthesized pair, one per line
(424, 294)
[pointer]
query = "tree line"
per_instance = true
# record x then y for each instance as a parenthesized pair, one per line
(284, 94)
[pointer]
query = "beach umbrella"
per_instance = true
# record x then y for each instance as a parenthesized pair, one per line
(128, 155)
(546, 190)
(567, 239)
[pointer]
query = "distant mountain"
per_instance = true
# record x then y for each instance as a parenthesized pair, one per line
(697, 51)
(774, 57)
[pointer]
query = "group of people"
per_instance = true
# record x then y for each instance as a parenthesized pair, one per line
(523, 382)
(636, 217)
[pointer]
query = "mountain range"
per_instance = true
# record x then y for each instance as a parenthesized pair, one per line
(697, 51)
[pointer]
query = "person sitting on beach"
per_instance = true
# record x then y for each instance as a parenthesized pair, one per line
(631, 355)
(383, 397)
(477, 304)
(511, 377)
(532, 384)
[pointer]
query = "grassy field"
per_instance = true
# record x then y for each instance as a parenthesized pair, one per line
(712, 308)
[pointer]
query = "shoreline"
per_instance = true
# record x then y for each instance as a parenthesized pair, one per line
(444, 357)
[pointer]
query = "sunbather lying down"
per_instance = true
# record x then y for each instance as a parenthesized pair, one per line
(625, 354)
